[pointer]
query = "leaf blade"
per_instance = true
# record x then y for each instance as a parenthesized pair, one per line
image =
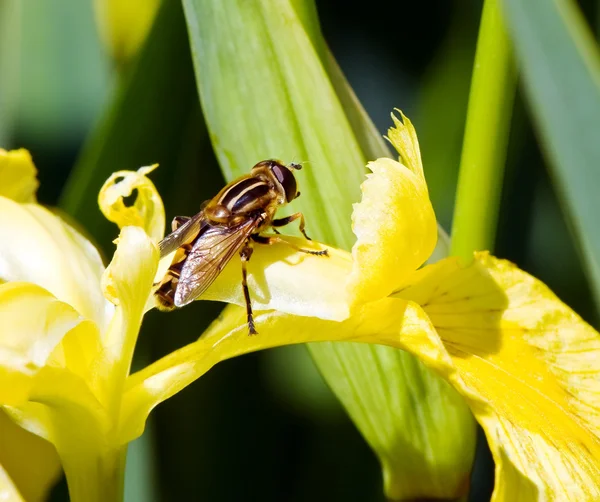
(290, 101)
(561, 68)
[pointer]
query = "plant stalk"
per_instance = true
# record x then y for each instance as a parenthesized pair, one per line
(486, 138)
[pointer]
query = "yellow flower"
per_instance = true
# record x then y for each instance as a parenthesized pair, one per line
(525, 363)
(65, 350)
(29, 465)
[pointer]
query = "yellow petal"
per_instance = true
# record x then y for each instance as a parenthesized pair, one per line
(283, 279)
(395, 227)
(82, 355)
(404, 139)
(18, 176)
(64, 411)
(37, 246)
(146, 208)
(529, 368)
(124, 25)
(383, 322)
(8, 490)
(525, 363)
(127, 282)
(31, 462)
(33, 324)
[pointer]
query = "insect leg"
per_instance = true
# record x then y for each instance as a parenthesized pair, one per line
(280, 222)
(245, 254)
(261, 239)
(178, 221)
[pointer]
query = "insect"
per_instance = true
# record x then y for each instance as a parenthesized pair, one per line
(229, 223)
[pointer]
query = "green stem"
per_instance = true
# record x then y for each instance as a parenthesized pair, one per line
(486, 137)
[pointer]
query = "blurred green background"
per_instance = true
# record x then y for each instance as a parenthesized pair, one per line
(263, 426)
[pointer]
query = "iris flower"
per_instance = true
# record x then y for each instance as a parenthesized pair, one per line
(525, 363)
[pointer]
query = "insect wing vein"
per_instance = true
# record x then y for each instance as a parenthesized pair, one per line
(186, 233)
(211, 252)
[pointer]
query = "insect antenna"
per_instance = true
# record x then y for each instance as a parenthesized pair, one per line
(298, 165)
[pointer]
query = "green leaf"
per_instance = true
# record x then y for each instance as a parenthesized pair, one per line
(270, 88)
(140, 484)
(405, 415)
(486, 138)
(442, 108)
(259, 106)
(10, 14)
(560, 64)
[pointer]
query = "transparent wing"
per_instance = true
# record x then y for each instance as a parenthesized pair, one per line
(184, 234)
(211, 252)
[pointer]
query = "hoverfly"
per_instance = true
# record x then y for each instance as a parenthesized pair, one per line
(227, 224)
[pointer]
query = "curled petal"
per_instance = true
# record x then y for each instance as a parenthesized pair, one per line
(39, 247)
(127, 283)
(146, 208)
(33, 323)
(395, 227)
(529, 368)
(18, 176)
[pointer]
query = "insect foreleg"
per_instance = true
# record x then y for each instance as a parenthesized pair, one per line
(280, 222)
(261, 239)
(245, 254)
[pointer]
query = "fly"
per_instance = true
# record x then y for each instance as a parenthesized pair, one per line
(228, 224)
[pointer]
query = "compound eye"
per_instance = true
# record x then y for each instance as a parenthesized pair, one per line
(287, 180)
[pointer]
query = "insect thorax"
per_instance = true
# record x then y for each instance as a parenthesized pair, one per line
(245, 196)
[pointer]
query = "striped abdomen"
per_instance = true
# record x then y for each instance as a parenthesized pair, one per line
(165, 293)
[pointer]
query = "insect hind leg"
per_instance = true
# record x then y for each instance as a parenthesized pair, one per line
(245, 255)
